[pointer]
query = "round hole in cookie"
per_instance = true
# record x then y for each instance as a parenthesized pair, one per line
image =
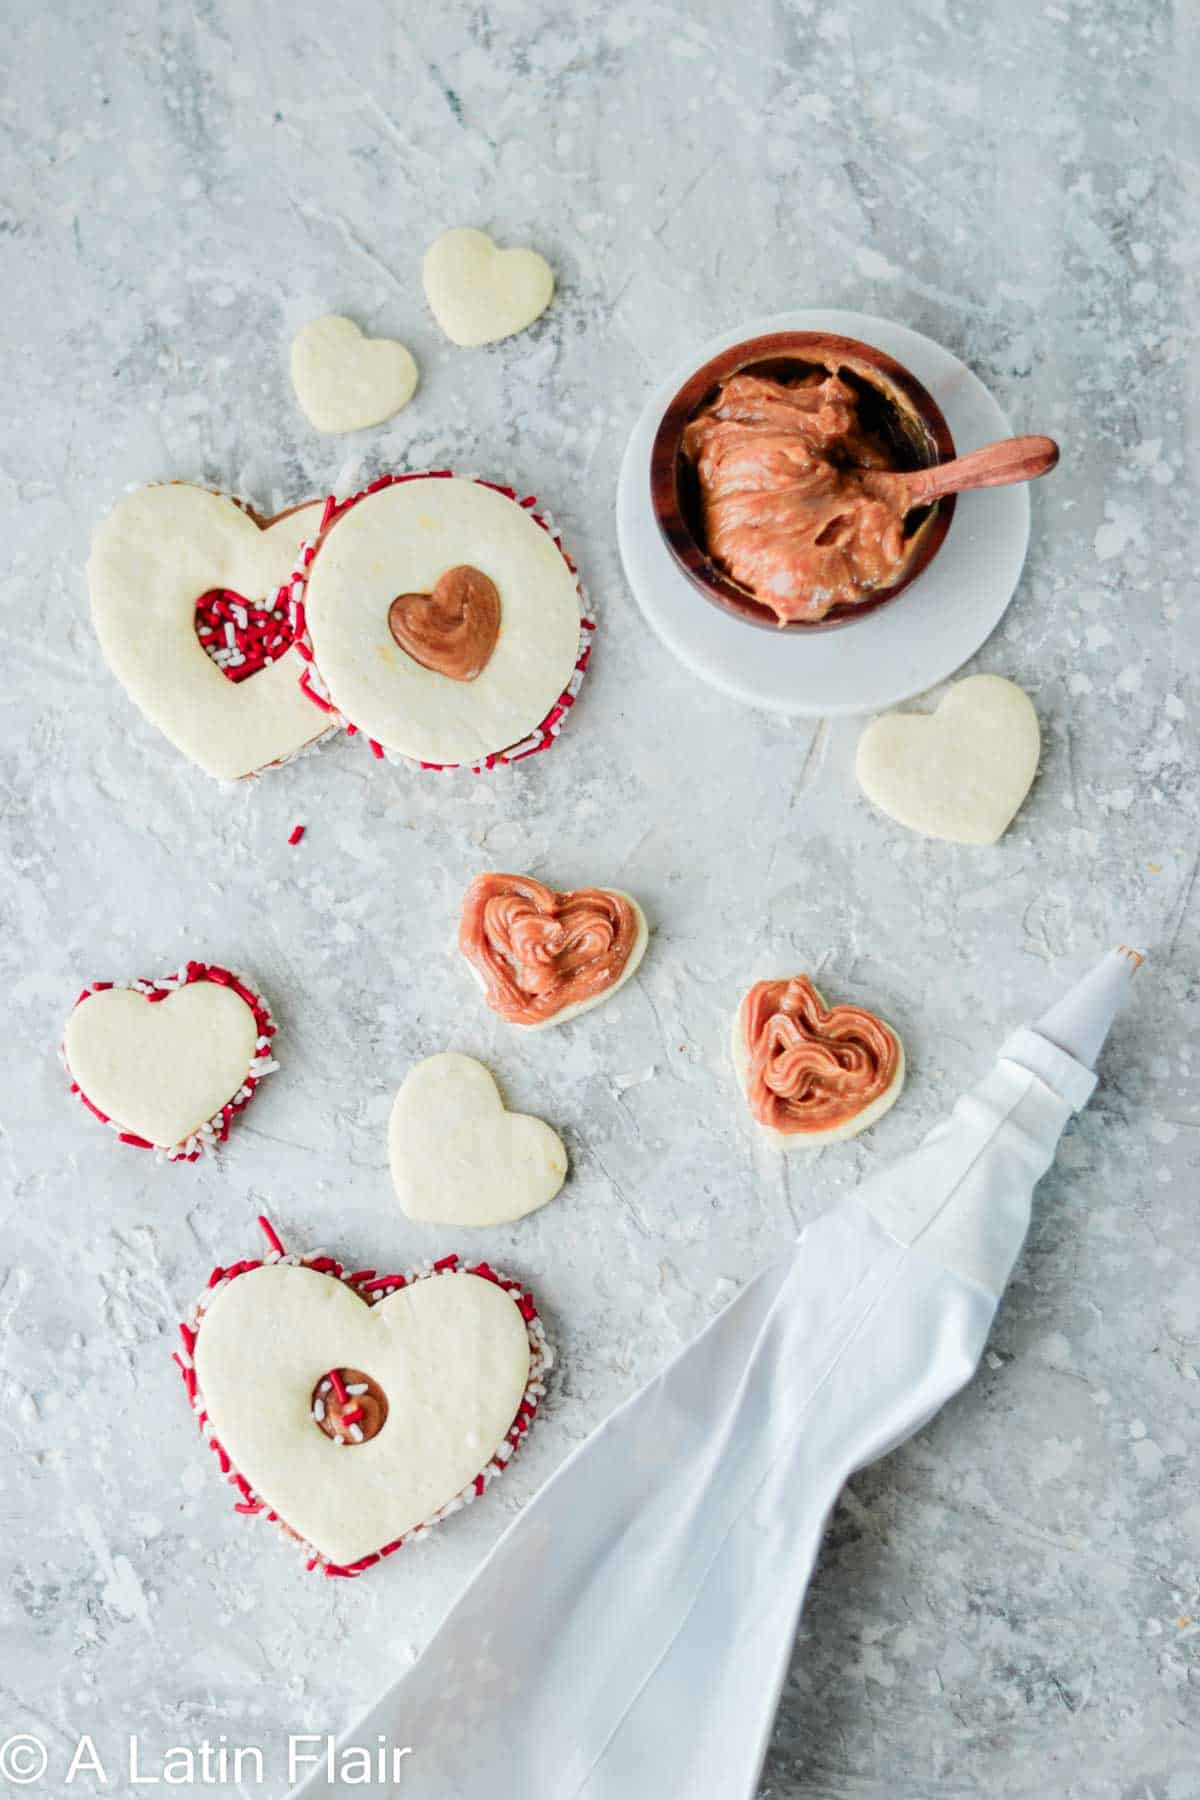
(349, 1407)
(242, 636)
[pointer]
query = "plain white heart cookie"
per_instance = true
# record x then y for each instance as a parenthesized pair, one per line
(400, 540)
(159, 552)
(959, 773)
(450, 1354)
(164, 1065)
(345, 381)
(479, 293)
(458, 1157)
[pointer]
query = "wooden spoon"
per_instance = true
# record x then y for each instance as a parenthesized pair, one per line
(995, 465)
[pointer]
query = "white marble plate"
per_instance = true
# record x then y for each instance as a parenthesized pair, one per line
(900, 650)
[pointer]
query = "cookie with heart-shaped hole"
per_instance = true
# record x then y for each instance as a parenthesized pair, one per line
(355, 1410)
(442, 619)
(811, 1073)
(479, 293)
(543, 957)
(168, 1064)
(160, 563)
(345, 381)
(458, 1157)
(960, 773)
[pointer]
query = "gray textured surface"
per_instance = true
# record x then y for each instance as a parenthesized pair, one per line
(1004, 1606)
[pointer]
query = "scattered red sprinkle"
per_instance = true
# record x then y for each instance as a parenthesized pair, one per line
(296, 833)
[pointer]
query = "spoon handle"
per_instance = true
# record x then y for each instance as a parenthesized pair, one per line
(995, 465)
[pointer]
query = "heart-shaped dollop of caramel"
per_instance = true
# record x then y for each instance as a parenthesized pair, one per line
(543, 956)
(452, 630)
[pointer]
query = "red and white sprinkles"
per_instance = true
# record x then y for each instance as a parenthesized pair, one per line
(292, 596)
(215, 1130)
(370, 1287)
(240, 636)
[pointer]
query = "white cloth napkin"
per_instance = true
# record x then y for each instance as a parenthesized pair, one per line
(628, 1637)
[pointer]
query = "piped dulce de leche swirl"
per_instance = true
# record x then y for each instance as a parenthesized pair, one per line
(538, 951)
(812, 1069)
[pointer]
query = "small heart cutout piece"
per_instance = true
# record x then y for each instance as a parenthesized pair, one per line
(479, 293)
(458, 1157)
(959, 773)
(345, 381)
(452, 630)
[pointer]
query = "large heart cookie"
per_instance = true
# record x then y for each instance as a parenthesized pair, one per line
(458, 1157)
(357, 1410)
(157, 555)
(478, 292)
(543, 957)
(345, 381)
(167, 1064)
(396, 541)
(813, 1074)
(961, 772)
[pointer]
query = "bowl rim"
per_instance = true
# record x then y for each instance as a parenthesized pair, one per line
(666, 449)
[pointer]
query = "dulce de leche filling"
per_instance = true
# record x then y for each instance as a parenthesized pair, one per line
(538, 951)
(811, 1069)
(453, 629)
(789, 513)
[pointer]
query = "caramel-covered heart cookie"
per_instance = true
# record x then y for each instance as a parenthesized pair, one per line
(452, 630)
(543, 957)
(813, 1074)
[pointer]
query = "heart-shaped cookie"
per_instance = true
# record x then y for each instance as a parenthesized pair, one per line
(357, 1410)
(345, 381)
(160, 552)
(168, 1063)
(959, 773)
(458, 1157)
(811, 1073)
(452, 629)
(544, 957)
(479, 293)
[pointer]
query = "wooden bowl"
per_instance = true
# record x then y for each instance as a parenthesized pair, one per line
(891, 401)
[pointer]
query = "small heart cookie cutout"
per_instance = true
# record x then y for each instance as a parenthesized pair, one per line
(453, 629)
(544, 957)
(162, 552)
(479, 293)
(354, 1410)
(167, 1064)
(959, 773)
(345, 381)
(458, 1157)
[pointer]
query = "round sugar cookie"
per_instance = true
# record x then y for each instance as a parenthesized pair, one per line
(399, 576)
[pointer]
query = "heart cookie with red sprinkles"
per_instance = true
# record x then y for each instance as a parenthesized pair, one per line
(167, 1064)
(356, 1410)
(184, 588)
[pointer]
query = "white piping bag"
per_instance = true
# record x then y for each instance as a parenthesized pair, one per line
(629, 1634)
